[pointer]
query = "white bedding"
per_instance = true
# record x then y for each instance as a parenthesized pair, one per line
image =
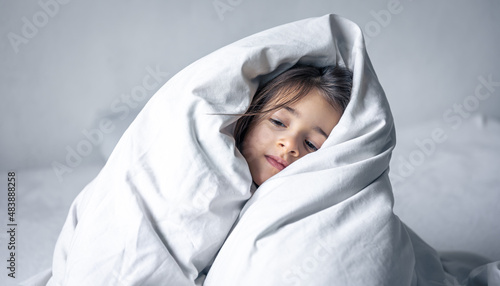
(161, 208)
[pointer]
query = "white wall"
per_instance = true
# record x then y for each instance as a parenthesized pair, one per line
(66, 76)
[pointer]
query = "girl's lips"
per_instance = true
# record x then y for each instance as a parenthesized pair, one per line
(274, 162)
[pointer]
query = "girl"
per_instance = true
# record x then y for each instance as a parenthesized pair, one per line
(291, 116)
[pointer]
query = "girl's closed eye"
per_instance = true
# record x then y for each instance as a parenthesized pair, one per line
(277, 122)
(311, 146)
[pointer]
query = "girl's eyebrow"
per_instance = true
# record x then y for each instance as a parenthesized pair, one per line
(292, 111)
(297, 114)
(320, 131)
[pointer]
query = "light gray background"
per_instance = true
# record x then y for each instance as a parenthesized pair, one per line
(65, 78)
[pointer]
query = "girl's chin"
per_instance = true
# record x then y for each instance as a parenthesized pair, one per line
(263, 178)
(260, 180)
(265, 174)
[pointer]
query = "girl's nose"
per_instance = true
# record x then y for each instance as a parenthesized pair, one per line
(290, 146)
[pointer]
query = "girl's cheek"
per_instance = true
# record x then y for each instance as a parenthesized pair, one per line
(249, 152)
(250, 146)
(266, 133)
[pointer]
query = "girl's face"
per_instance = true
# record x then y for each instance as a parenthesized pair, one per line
(288, 134)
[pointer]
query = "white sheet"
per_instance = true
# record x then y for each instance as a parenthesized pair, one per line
(175, 184)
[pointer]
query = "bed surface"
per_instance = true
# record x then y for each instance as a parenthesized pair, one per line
(42, 206)
(451, 199)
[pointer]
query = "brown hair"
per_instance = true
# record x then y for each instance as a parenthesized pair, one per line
(333, 82)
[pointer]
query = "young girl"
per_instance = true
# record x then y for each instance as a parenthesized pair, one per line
(291, 116)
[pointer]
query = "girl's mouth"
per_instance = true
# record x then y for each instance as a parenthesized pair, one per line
(275, 163)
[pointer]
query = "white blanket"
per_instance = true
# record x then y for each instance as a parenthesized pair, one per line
(175, 185)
